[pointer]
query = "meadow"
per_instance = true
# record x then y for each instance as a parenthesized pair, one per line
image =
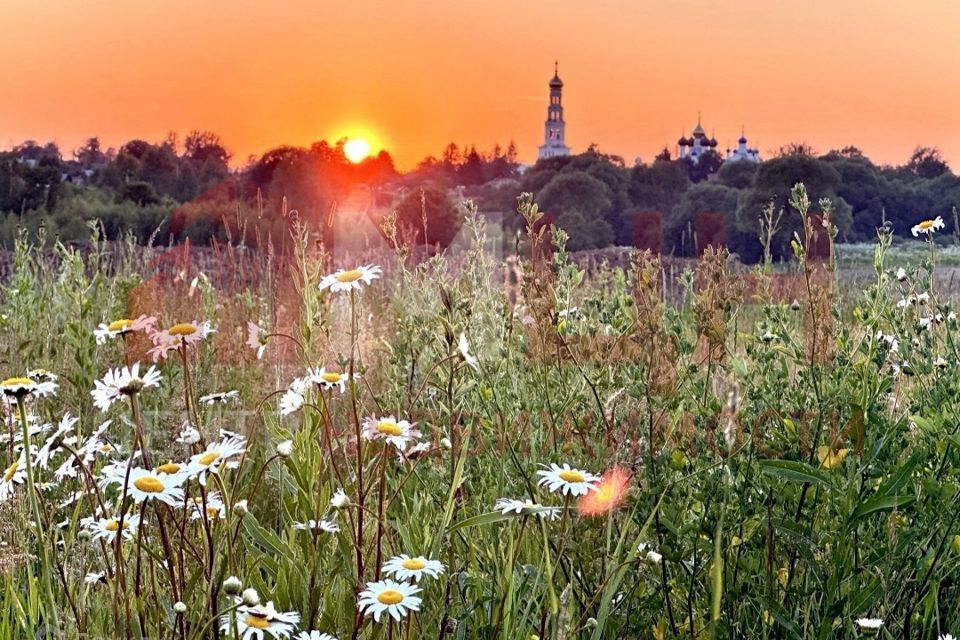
(299, 448)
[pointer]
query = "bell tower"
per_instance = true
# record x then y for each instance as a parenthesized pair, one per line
(554, 129)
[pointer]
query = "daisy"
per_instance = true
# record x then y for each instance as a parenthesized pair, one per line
(123, 327)
(22, 387)
(95, 578)
(221, 397)
(118, 383)
(508, 506)
(295, 396)
(946, 636)
(464, 350)
(41, 375)
(329, 379)
(146, 485)
(256, 339)
(611, 491)
(316, 635)
(396, 598)
(927, 226)
(59, 437)
(403, 567)
(339, 499)
(901, 274)
(181, 335)
(108, 528)
(216, 455)
(567, 480)
(343, 280)
(188, 434)
(870, 625)
(15, 474)
(648, 554)
(396, 432)
(256, 621)
(317, 526)
(215, 509)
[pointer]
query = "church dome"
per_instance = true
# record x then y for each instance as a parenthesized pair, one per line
(742, 140)
(683, 142)
(556, 82)
(698, 132)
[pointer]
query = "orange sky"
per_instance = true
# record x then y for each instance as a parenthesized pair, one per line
(882, 74)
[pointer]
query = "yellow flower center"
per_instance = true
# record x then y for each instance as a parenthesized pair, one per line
(390, 596)
(16, 382)
(209, 458)
(350, 276)
(256, 621)
(389, 428)
(12, 469)
(571, 475)
(113, 525)
(212, 512)
(120, 325)
(106, 448)
(170, 467)
(414, 564)
(149, 484)
(331, 377)
(926, 225)
(182, 329)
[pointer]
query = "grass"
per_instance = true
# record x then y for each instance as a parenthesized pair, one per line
(768, 470)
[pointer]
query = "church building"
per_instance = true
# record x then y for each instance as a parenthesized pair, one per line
(554, 127)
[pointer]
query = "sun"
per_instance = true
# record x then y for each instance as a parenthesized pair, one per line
(356, 149)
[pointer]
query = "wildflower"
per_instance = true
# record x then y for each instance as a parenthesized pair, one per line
(927, 226)
(15, 474)
(396, 432)
(95, 578)
(610, 492)
(396, 598)
(413, 452)
(188, 435)
(285, 448)
(329, 379)
(123, 327)
(23, 387)
(648, 555)
(901, 274)
(214, 508)
(313, 635)
(946, 636)
(445, 443)
(182, 335)
(59, 437)
(216, 455)
(255, 621)
(464, 349)
(567, 480)
(232, 586)
(508, 506)
(147, 485)
(317, 525)
(41, 375)
(295, 396)
(256, 339)
(870, 625)
(830, 459)
(179, 607)
(403, 567)
(343, 280)
(108, 528)
(241, 506)
(250, 597)
(118, 383)
(221, 397)
(339, 499)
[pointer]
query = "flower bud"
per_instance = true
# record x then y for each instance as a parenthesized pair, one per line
(250, 597)
(285, 448)
(232, 586)
(179, 607)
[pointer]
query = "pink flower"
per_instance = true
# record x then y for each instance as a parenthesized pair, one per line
(256, 339)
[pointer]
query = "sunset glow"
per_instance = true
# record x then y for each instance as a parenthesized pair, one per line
(356, 150)
(636, 74)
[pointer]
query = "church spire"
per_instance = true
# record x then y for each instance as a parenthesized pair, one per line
(554, 131)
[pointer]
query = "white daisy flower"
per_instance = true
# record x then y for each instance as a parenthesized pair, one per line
(567, 480)
(508, 506)
(927, 227)
(41, 375)
(15, 474)
(946, 636)
(118, 383)
(464, 348)
(214, 510)
(396, 432)
(63, 435)
(188, 434)
(403, 567)
(313, 635)
(327, 526)
(122, 327)
(339, 499)
(327, 380)
(261, 620)
(901, 274)
(108, 528)
(395, 598)
(870, 625)
(295, 396)
(221, 397)
(345, 280)
(146, 485)
(215, 456)
(95, 578)
(22, 387)
(648, 554)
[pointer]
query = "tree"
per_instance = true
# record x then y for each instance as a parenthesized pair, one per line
(706, 165)
(89, 154)
(201, 146)
(737, 174)
(428, 212)
(581, 206)
(927, 162)
(658, 187)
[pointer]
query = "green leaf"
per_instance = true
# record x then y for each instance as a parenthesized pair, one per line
(899, 478)
(880, 503)
(483, 518)
(794, 471)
